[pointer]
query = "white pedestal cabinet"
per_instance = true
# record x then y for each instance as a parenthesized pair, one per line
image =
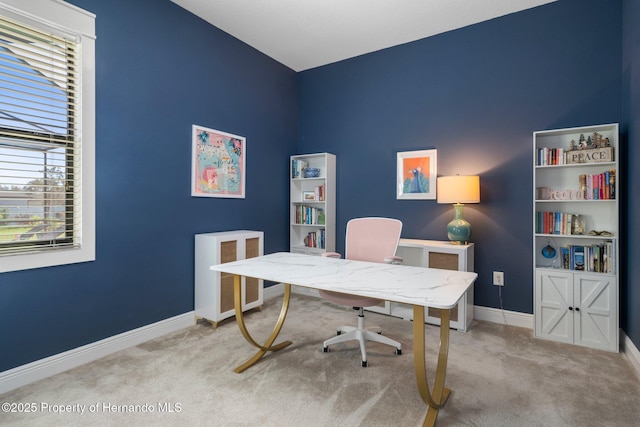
(435, 254)
(214, 290)
(576, 235)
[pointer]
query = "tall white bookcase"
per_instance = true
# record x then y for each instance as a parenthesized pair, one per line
(312, 216)
(576, 235)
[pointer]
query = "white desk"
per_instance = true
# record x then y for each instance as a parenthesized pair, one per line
(421, 287)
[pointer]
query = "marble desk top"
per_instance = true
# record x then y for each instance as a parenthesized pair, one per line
(430, 287)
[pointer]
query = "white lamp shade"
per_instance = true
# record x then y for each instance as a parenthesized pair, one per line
(459, 189)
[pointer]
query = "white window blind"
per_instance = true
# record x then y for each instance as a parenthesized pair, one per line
(40, 170)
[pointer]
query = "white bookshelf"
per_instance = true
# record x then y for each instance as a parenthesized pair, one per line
(312, 210)
(576, 298)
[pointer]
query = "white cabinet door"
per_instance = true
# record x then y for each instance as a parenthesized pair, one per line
(595, 311)
(554, 305)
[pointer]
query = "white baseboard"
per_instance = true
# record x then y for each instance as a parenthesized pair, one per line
(43, 368)
(504, 317)
(631, 351)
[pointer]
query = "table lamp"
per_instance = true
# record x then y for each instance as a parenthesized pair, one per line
(458, 190)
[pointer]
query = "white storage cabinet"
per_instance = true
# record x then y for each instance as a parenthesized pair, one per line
(214, 299)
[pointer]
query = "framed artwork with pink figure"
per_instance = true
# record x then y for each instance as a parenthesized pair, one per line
(416, 175)
(217, 164)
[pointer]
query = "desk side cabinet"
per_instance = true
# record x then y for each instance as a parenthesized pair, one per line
(435, 254)
(214, 290)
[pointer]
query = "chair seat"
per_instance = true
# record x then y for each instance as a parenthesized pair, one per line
(349, 300)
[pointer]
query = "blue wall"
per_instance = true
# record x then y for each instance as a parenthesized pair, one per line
(160, 69)
(630, 298)
(476, 95)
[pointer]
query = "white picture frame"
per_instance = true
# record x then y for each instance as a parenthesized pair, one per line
(218, 163)
(416, 175)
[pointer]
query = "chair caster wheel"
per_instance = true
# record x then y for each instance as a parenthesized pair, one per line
(325, 349)
(398, 351)
(364, 363)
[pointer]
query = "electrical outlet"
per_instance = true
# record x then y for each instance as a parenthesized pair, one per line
(498, 278)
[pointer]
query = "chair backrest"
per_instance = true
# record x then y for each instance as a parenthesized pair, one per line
(372, 239)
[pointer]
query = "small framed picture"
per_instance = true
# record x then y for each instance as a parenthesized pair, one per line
(416, 175)
(308, 196)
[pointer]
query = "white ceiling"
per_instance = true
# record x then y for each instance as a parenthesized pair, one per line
(304, 34)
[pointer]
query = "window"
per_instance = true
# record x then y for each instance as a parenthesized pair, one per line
(47, 142)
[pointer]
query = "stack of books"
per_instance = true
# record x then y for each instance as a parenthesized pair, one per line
(600, 186)
(315, 239)
(597, 258)
(550, 156)
(309, 215)
(554, 223)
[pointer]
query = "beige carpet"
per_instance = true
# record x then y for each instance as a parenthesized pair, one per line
(500, 376)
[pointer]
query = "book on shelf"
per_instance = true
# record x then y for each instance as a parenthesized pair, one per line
(577, 257)
(566, 259)
(319, 193)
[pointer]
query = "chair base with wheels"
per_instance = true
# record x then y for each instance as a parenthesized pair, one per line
(361, 334)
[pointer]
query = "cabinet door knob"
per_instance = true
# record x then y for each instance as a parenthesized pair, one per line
(570, 308)
(577, 308)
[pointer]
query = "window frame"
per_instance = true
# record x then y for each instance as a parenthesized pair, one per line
(64, 19)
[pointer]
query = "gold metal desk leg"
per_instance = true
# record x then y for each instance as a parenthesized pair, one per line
(438, 398)
(237, 299)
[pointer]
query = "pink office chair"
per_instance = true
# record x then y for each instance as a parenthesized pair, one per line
(367, 239)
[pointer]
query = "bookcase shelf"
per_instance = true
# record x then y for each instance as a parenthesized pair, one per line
(575, 272)
(577, 165)
(312, 207)
(573, 236)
